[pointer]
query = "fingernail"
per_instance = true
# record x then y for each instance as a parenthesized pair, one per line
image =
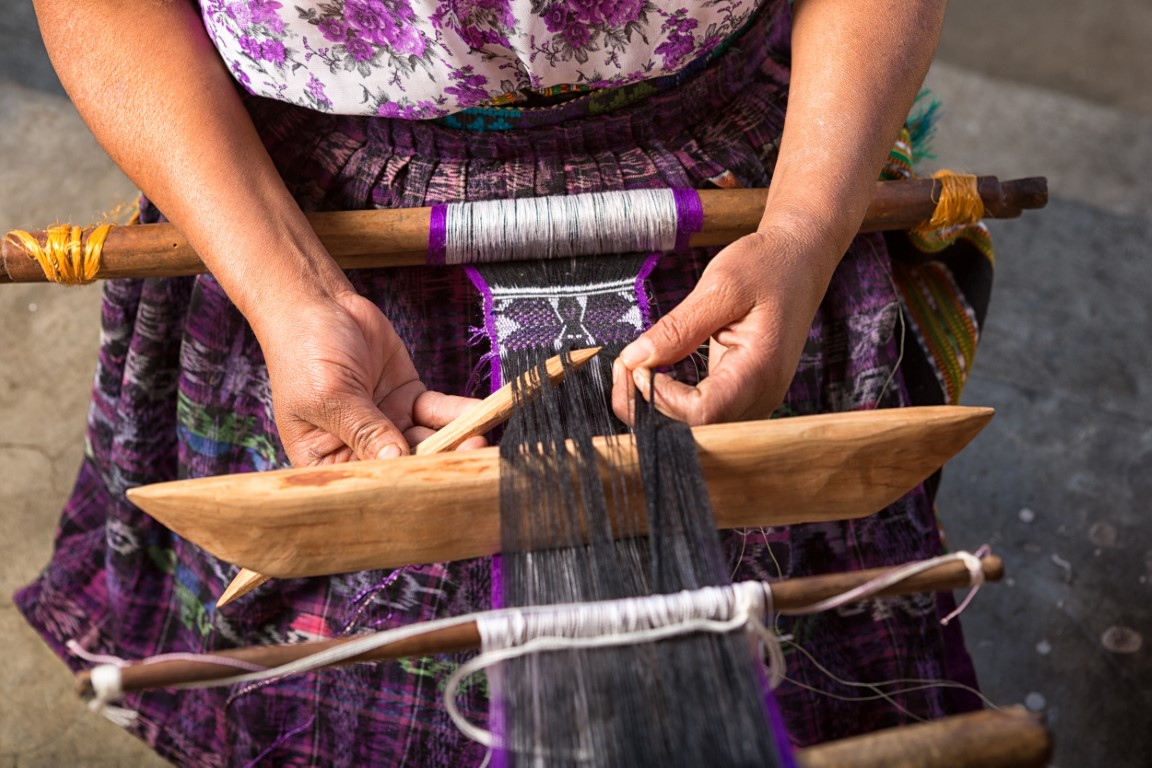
(636, 353)
(390, 451)
(642, 376)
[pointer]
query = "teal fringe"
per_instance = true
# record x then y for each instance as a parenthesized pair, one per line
(921, 125)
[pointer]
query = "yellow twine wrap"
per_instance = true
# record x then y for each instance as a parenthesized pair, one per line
(66, 256)
(959, 203)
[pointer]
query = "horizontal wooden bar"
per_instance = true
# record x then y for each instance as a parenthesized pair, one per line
(421, 509)
(787, 595)
(1008, 739)
(398, 237)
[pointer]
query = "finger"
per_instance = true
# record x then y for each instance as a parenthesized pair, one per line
(417, 435)
(360, 425)
(709, 307)
(473, 443)
(737, 388)
(437, 410)
(622, 393)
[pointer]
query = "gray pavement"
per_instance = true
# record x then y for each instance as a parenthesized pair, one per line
(1060, 483)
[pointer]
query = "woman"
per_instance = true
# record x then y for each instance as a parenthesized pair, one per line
(280, 357)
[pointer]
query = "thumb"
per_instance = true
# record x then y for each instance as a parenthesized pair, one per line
(680, 332)
(360, 425)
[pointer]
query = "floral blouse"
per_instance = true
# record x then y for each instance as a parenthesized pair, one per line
(420, 59)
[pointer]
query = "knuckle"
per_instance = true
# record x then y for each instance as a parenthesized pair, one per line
(363, 435)
(676, 329)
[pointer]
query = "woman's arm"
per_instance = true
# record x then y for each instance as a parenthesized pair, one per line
(150, 85)
(856, 69)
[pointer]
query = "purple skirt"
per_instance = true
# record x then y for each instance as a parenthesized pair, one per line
(181, 391)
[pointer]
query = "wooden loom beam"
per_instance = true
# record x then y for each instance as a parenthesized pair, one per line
(787, 595)
(1012, 738)
(338, 519)
(399, 237)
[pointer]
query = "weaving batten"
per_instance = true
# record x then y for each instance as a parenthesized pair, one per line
(836, 466)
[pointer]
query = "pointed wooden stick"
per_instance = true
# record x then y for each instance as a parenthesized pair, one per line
(787, 596)
(490, 412)
(421, 509)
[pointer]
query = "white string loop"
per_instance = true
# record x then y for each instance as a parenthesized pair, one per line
(514, 633)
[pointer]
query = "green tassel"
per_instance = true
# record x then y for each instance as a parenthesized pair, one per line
(921, 124)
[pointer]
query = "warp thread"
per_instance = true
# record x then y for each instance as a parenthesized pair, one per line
(617, 701)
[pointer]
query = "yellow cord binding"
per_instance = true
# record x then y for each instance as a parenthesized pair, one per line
(959, 203)
(66, 257)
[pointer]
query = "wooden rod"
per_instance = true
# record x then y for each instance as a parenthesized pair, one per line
(399, 237)
(490, 412)
(787, 595)
(422, 509)
(1012, 738)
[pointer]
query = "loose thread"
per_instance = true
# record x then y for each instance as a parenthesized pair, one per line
(959, 203)
(66, 256)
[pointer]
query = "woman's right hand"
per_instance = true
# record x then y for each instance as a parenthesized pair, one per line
(343, 385)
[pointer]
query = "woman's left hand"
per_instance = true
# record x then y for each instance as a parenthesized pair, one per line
(755, 303)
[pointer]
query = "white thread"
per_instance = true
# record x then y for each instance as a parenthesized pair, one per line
(94, 658)
(632, 221)
(119, 715)
(513, 633)
(106, 686)
(893, 577)
(975, 579)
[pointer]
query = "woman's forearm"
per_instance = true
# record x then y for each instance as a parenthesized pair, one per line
(856, 69)
(148, 82)
(150, 85)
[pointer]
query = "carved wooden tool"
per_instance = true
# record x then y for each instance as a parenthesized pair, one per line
(399, 237)
(787, 596)
(421, 509)
(490, 412)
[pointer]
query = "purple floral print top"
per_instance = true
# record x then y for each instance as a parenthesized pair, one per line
(420, 59)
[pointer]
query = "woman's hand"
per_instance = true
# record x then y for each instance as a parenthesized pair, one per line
(344, 387)
(754, 303)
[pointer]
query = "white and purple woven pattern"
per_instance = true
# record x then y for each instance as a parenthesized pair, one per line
(527, 308)
(632, 221)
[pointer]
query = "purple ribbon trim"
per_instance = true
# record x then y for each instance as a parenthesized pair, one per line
(689, 216)
(641, 293)
(438, 236)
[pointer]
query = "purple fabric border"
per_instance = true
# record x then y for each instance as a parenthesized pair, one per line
(689, 215)
(779, 732)
(496, 380)
(438, 236)
(642, 294)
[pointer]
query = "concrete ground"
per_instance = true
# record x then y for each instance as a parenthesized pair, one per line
(1060, 484)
